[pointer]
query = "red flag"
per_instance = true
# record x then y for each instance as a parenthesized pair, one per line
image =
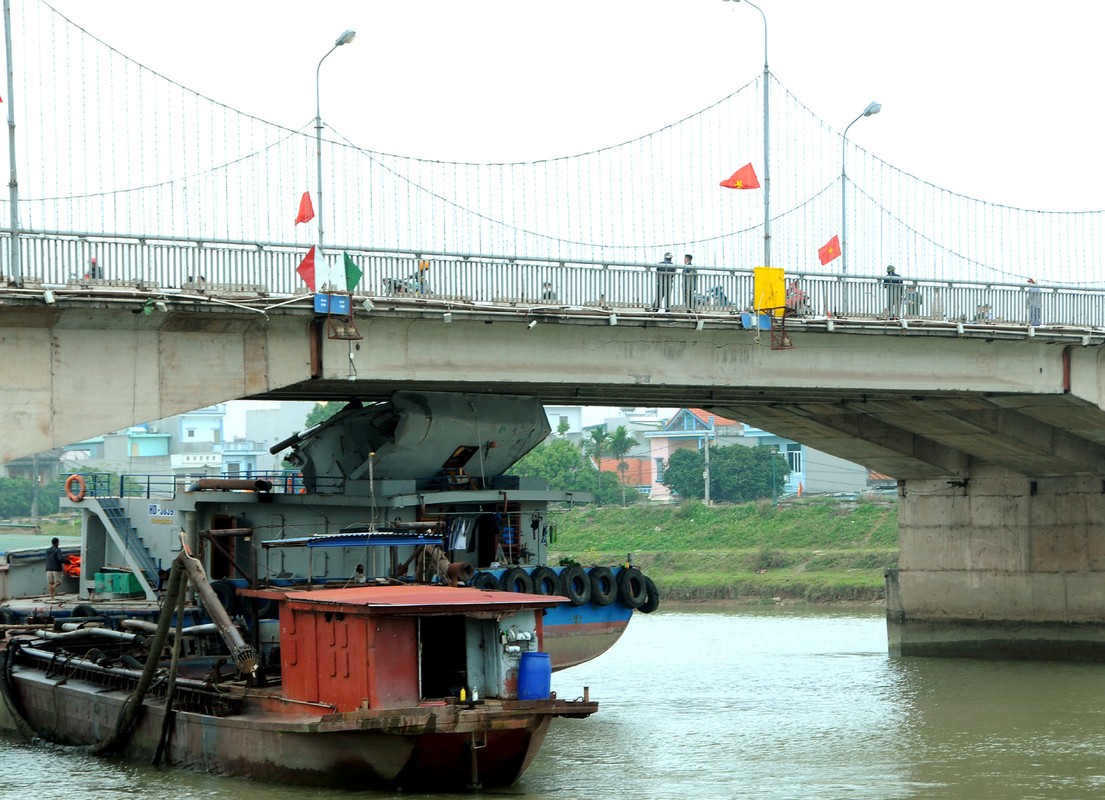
(306, 269)
(829, 251)
(743, 178)
(306, 210)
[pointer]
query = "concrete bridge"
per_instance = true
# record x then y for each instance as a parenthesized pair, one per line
(995, 430)
(163, 277)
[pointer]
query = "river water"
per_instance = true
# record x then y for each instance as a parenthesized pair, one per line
(720, 703)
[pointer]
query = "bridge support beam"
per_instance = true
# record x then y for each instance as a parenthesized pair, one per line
(1000, 566)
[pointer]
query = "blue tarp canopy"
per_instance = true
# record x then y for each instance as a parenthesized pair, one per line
(371, 539)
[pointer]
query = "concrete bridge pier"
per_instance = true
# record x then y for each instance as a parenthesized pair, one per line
(1000, 566)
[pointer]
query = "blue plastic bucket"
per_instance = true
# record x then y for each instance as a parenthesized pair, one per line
(534, 676)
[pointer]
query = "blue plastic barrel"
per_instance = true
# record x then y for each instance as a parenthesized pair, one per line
(534, 676)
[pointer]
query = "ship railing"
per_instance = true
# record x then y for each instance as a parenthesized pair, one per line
(166, 486)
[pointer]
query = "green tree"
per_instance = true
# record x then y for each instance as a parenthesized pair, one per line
(738, 474)
(16, 496)
(563, 427)
(322, 412)
(596, 443)
(619, 446)
(566, 469)
(561, 464)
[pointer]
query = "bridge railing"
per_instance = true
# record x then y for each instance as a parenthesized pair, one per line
(167, 266)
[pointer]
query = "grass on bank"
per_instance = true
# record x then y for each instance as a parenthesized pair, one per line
(812, 550)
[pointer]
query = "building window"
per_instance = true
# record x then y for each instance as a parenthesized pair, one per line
(190, 433)
(563, 421)
(794, 458)
(659, 470)
(233, 468)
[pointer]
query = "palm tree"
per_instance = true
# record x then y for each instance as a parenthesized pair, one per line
(619, 445)
(597, 443)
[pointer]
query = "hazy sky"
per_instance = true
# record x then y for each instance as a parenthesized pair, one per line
(995, 99)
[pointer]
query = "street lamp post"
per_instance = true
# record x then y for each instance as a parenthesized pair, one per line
(345, 38)
(767, 145)
(872, 108)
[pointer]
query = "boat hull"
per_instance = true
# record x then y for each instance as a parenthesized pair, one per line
(576, 634)
(442, 748)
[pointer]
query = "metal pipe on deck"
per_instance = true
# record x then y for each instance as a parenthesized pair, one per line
(245, 657)
(103, 633)
(231, 484)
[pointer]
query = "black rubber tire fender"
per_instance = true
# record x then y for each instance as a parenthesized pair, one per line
(632, 589)
(487, 582)
(653, 601)
(604, 589)
(84, 610)
(268, 609)
(517, 579)
(575, 584)
(545, 580)
(228, 598)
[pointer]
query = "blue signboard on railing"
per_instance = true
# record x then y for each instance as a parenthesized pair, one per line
(332, 304)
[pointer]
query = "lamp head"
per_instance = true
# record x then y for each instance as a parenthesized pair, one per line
(346, 38)
(872, 108)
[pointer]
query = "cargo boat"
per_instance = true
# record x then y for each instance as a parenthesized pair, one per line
(410, 490)
(398, 687)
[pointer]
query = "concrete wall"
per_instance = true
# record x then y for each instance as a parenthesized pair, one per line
(1004, 565)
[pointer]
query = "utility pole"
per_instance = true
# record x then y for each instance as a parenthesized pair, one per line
(706, 455)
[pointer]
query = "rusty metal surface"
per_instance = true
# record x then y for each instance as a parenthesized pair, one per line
(422, 599)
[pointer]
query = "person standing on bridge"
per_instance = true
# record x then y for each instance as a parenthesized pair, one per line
(689, 281)
(665, 276)
(1035, 303)
(893, 283)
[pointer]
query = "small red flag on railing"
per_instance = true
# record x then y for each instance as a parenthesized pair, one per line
(306, 210)
(743, 178)
(829, 251)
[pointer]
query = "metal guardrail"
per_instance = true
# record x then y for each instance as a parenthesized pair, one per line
(225, 271)
(166, 486)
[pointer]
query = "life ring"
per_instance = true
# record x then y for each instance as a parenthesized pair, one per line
(632, 589)
(545, 580)
(653, 601)
(517, 579)
(575, 584)
(78, 495)
(604, 589)
(487, 582)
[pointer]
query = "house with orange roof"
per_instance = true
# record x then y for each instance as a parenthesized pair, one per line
(812, 471)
